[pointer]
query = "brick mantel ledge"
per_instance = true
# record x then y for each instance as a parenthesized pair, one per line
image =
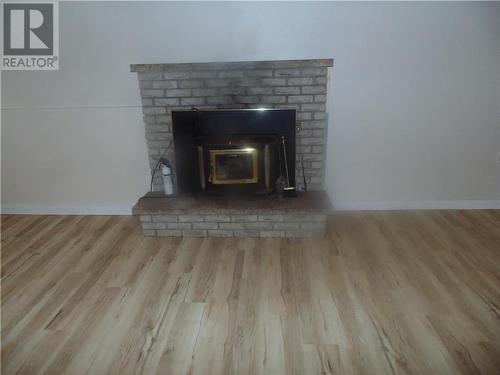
(232, 65)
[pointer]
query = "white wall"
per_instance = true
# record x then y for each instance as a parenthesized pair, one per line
(415, 97)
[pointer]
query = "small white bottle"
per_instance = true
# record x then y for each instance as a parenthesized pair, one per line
(168, 185)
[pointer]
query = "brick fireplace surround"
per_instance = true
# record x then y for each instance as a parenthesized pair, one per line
(296, 84)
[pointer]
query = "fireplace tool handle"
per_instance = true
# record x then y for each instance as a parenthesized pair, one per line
(288, 191)
(286, 161)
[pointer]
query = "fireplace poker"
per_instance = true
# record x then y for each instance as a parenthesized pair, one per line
(288, 191)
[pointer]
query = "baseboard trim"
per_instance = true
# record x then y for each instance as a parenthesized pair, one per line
(419, 205)
(54, 210)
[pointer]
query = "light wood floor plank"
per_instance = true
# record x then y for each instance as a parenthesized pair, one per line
(410, 292)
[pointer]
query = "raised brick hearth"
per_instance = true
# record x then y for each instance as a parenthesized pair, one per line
(303, 216)
(296, 84)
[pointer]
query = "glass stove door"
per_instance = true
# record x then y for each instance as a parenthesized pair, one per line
(234, 166)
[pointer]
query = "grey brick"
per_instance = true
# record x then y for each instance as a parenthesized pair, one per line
(204, 92)
(286, 225)
(250, 81)
(205, 225)
(273, 81)
(165, 218)
(220, 233)
(244, 218)
(288, 106)
(313, 107)
(152, 136)
(313, 157)
(158, 128)
(259, 90)
(208, 74)
(273, 99)
(287, 90)
(217, 100)
(246, 99)
(193, 101)
(165, 136)
(304, 116)
(231, 91)
(303, 150)
(258, 225)
(153, 225)
(320, 80)
(154, 153)
(178, 225)
(311, 141)
(292, 72)
(164, 119)
(320, 98)
(149, 232)
(145, 84)
(153, 110)
(194, 233)
(145, 218)
(270, 217)
(232, 225)
(190, 218)
(317, 149)
(175, 75)
(302, 217)
(167, 101)
(300, 99)
(259, 73)
(170, 233)
(318, 133)
(217, 218)
(165, 84)
(190, 84)
(218, 83)
(305, 133)
(246, 233)
(300, 81)
(158, 144)
(319, 115)
(230, 74)
(315, 124)
(178, 93)
(314, 72)
(149, 76)
(147, 102)
(148, 119)
(321, 89)
(207, 211)
(150, 93)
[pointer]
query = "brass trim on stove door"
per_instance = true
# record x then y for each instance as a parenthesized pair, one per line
(237, 151)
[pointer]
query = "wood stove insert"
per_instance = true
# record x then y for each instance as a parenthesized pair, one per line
(234, 151)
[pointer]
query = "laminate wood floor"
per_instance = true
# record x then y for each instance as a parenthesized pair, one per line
(382, 293)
